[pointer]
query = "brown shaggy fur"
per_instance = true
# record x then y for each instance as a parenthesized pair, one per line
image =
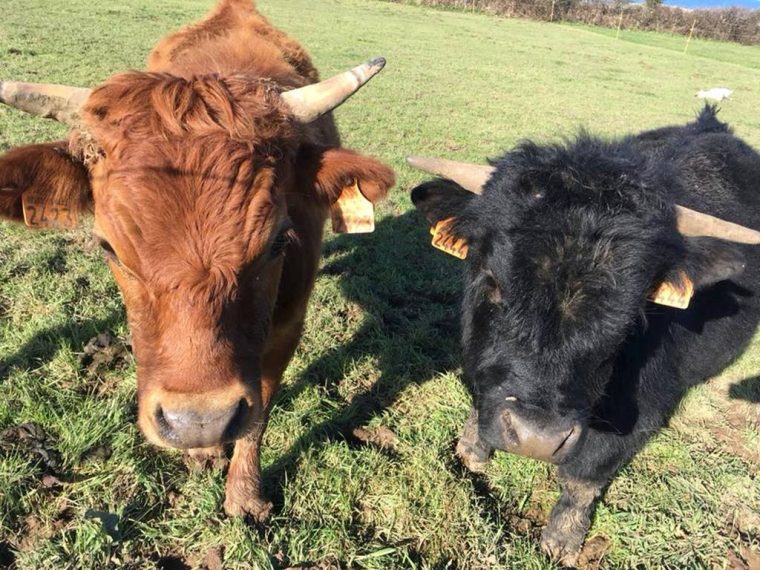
(196, 168)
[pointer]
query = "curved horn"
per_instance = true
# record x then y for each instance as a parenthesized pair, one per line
(471, 177)
(59, 102)
(696, 224)
(310, 102)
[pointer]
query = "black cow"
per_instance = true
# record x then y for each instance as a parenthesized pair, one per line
(567, 357)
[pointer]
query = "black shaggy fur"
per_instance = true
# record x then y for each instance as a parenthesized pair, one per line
(565, 245)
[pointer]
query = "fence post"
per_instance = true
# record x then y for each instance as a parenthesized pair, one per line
(691, 32)
(620, 25)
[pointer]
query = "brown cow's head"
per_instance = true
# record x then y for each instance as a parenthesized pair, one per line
(188, 179)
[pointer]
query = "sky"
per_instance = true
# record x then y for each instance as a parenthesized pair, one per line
(713, 3)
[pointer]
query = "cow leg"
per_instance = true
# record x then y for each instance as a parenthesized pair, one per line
(243, 496)
(243, 493)
(570, 519)
(583, 480)
(473, 452)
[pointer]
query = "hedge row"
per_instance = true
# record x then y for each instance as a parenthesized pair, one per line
(728, 24)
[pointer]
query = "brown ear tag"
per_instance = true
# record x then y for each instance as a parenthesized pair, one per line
(352, 213)
(674, 294)
(446, 241)
(41, 214)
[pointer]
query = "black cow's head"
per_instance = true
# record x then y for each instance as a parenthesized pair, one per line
(565, 245)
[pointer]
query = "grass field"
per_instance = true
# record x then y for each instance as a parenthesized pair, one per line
(83, 490)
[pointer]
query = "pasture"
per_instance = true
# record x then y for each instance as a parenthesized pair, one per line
(358, 457)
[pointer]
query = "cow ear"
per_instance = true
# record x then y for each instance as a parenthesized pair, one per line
(710, 260)
(43, 186)
(442, 203)
(348, 182)
(707, 261)
(440, 199)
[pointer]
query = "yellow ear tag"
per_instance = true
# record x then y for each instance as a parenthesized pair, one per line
(672, 294)
(41, 214)
(352, 213)
(446, 241)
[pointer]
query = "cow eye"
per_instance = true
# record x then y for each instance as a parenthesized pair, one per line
(108, 251)
(282, 240)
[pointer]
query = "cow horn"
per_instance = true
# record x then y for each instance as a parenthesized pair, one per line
(59, 102)
(690, 223)
(312, 101)
(471, 177)
(696, 224)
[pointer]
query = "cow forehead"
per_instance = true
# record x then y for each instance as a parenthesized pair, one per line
(196, 218)
(185, 180)
(566, 286)
(150, 107)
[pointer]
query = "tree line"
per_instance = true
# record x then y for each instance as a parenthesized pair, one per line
(726, 24)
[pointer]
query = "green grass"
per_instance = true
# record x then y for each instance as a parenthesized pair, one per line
(380, 345)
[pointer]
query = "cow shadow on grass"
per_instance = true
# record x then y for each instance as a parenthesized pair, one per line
(748, 389)
(410, 294)
(45, 343)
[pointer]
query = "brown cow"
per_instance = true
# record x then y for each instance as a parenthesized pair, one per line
(210, 177)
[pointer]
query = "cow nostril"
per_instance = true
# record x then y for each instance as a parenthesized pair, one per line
(568, 441)
(564, 440)
(165, 429)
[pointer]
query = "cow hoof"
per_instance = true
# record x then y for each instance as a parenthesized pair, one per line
(471, 456)
(202, 458)
(255, 509)
(561, 548)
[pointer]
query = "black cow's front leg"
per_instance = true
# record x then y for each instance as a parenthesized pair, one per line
(570, 519)
(582, 482)
(473, 452)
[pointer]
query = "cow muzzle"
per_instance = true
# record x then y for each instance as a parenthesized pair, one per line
(188, 421)
(550, 442)
(191, 428)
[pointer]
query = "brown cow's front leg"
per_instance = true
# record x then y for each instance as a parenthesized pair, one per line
(470, 448)
(570, 520)
(243, 496)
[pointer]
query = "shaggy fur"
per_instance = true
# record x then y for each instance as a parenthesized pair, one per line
(565, 245)
(210, 202)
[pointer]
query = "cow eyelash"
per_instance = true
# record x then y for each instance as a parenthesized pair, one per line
(110, 255)
(108, 251)
(284, 237)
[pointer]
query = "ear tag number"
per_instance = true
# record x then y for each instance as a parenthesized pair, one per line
(352, 213)
(446, 241)
(674, 294)
(40, 214)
